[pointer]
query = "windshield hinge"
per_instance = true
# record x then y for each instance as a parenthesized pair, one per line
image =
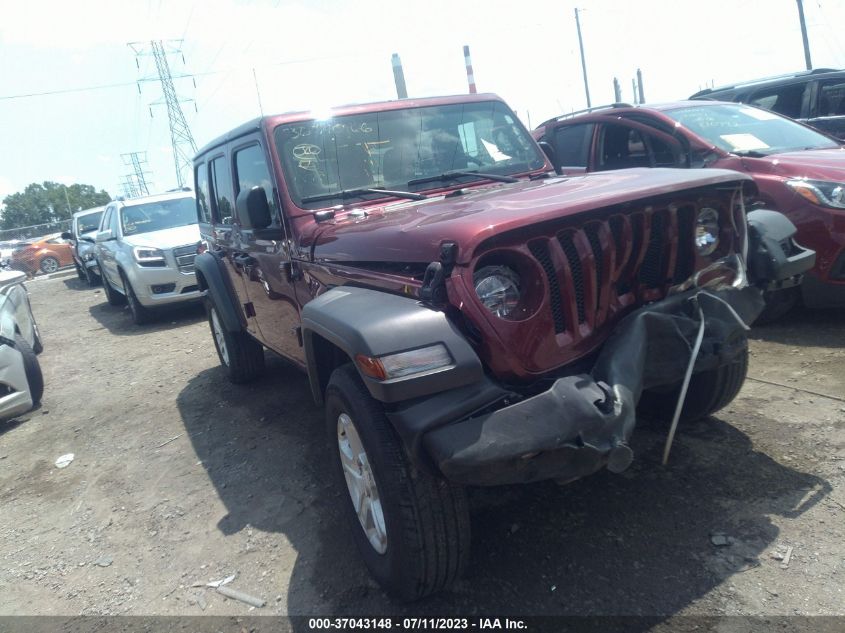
(433, 288)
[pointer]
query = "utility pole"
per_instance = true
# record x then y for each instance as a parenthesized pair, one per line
(583, 62)
(804, 35)
(181, 139)
(135, 160)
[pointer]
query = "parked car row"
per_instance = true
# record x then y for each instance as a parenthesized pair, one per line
(45, 254)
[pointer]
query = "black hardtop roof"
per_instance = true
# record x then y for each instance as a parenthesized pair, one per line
(786, 78)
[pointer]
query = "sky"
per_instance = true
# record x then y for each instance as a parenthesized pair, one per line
(238, 58)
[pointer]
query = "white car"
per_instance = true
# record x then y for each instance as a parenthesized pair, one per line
(145, 252)
(21, 381)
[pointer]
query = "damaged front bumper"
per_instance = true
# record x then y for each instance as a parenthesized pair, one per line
(583, 422)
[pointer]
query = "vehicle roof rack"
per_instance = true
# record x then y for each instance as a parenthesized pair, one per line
(569, 115)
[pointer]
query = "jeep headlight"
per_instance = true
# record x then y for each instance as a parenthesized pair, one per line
(821, 192)
(707, 231)
(88, 256)
(498, 289)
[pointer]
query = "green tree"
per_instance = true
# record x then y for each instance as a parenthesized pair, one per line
(48, 202)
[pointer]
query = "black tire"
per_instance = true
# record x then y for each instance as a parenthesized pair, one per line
(32, 368)
(112, 296)
(240, 355)
(37, 343)
(778, 304)
(708, 392)
(48, 265)
(140, 314)
(80, 272)
(426, 518)
(90, 277)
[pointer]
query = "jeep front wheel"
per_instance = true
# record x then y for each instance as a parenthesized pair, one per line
(411, 528)
(240, 354)
(708, 392)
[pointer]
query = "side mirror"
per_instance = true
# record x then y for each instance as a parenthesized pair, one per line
(549, 151)
(66, 236)
(252, 205)
(104, 236)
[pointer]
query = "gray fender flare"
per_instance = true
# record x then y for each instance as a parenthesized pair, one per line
(215, 286)
(375, 323)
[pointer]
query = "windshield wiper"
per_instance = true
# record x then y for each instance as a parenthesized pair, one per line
(454, 175)
(750, 153)
(346, 194)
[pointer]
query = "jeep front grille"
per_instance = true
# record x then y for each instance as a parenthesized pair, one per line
(603, 266)
(185, 256)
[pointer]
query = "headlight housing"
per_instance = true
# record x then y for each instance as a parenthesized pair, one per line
(821, 192)
(498, 289)
(707, 231)
(88, 256)
(146, 256)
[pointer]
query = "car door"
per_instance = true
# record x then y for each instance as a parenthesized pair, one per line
(106, 245)
(828, 111)
(266, 263)
(222, 208)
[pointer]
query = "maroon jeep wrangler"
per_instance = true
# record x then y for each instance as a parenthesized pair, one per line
(466, 317)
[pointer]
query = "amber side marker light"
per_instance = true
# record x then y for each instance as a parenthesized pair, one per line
(415, 361)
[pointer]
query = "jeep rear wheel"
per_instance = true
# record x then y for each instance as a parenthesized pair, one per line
(240, 354)
(411, 528)
(708, 392)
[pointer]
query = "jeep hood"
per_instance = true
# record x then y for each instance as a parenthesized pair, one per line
(819, 164)
(413, 231)
(166, 238)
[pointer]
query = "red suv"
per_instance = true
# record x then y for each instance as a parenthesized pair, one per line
(798, 170)
(465, 317)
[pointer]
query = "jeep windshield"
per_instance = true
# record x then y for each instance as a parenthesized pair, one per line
(157, 216)
(747, 131)
(346, 158)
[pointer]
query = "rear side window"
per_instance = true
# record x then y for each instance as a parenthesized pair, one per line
(222, 200)
(572, 144)
(251, 170)
(832, 98)
(203, 201)
(785, 100)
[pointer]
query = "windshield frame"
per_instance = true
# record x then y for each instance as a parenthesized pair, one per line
(189, 200)
(385, 130)
(762, 117)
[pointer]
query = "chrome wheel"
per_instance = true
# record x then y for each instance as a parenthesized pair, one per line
(361, 483)
(219, 337)
(49, 265)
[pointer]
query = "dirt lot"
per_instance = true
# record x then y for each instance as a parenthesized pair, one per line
(181, 478)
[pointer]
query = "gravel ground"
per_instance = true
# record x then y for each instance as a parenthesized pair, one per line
(180, 478)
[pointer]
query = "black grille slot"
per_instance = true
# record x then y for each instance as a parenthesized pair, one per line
(592, 231)
(685, 263)
(651, 271)
(624, 284)
(571, 253)
(617, 225)
(540, 250)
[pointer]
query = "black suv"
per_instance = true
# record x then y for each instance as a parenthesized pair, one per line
(815, 97)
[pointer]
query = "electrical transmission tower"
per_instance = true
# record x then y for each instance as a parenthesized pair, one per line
(181, 139)
(130, 189)
(136, 159)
